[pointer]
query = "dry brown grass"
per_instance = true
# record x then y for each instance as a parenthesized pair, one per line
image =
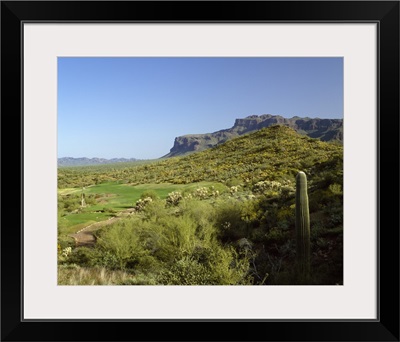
(75, 275)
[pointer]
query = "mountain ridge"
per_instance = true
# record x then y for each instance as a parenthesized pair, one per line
(322, 129)
(84, 161)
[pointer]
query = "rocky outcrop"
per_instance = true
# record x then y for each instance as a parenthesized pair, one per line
(323, 129)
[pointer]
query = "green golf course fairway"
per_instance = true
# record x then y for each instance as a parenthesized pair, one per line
(114, 197)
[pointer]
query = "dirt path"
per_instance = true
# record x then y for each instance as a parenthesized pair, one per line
(85, 237)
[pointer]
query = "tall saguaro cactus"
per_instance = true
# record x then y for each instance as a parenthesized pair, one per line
(302, 227)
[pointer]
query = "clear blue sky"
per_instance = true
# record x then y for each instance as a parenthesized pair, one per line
(135, 107)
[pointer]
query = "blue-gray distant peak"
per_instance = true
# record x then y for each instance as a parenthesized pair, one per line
(70, 161)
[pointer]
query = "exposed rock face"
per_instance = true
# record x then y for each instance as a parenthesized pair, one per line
(186, 143)
(323, 129)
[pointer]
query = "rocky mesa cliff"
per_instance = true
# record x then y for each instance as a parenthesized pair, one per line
(323, 129)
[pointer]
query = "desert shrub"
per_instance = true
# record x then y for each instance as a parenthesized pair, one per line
(107, 259)
(250, 211)
(90, 200)
(234, 189)
(64, 241)
(257, 234)
(327, 262)
(334, 216)
(317, 200)
(228, 216)
(270, 212)
(203, 214)
(111, 211)
(142, 203)
(278, 261)
(149, 193)
(233, 182)
(174, 198)
(283, 189)
(285, 217)
(83, 256)
(185, 272)
(122, 242)
(148, 264)
(222, 268)
(176, 237)
(229, 268)
(201, 193)
(287, 191)
(154, 211)
(69, 203)
(277, 236)
(263, 186)
(336, 189)
(139, 279)
(317, 228)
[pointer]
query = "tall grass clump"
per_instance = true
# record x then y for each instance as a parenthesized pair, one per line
(75, 275)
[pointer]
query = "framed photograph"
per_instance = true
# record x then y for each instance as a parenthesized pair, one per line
(214, 168)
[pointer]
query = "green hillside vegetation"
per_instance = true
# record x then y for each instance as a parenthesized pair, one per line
(271, 153)
(223, 216)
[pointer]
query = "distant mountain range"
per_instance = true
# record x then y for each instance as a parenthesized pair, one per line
(323, 129)
(69, 161)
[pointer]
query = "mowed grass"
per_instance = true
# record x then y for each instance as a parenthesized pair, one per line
(68, 191)
(72, 223)
(118, 197)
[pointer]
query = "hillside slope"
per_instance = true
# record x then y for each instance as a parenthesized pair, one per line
(271, 153)
(323, 129)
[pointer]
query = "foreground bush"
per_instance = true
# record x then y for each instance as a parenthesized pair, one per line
(172, 246)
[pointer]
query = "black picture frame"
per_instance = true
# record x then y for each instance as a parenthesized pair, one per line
(384, 13)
